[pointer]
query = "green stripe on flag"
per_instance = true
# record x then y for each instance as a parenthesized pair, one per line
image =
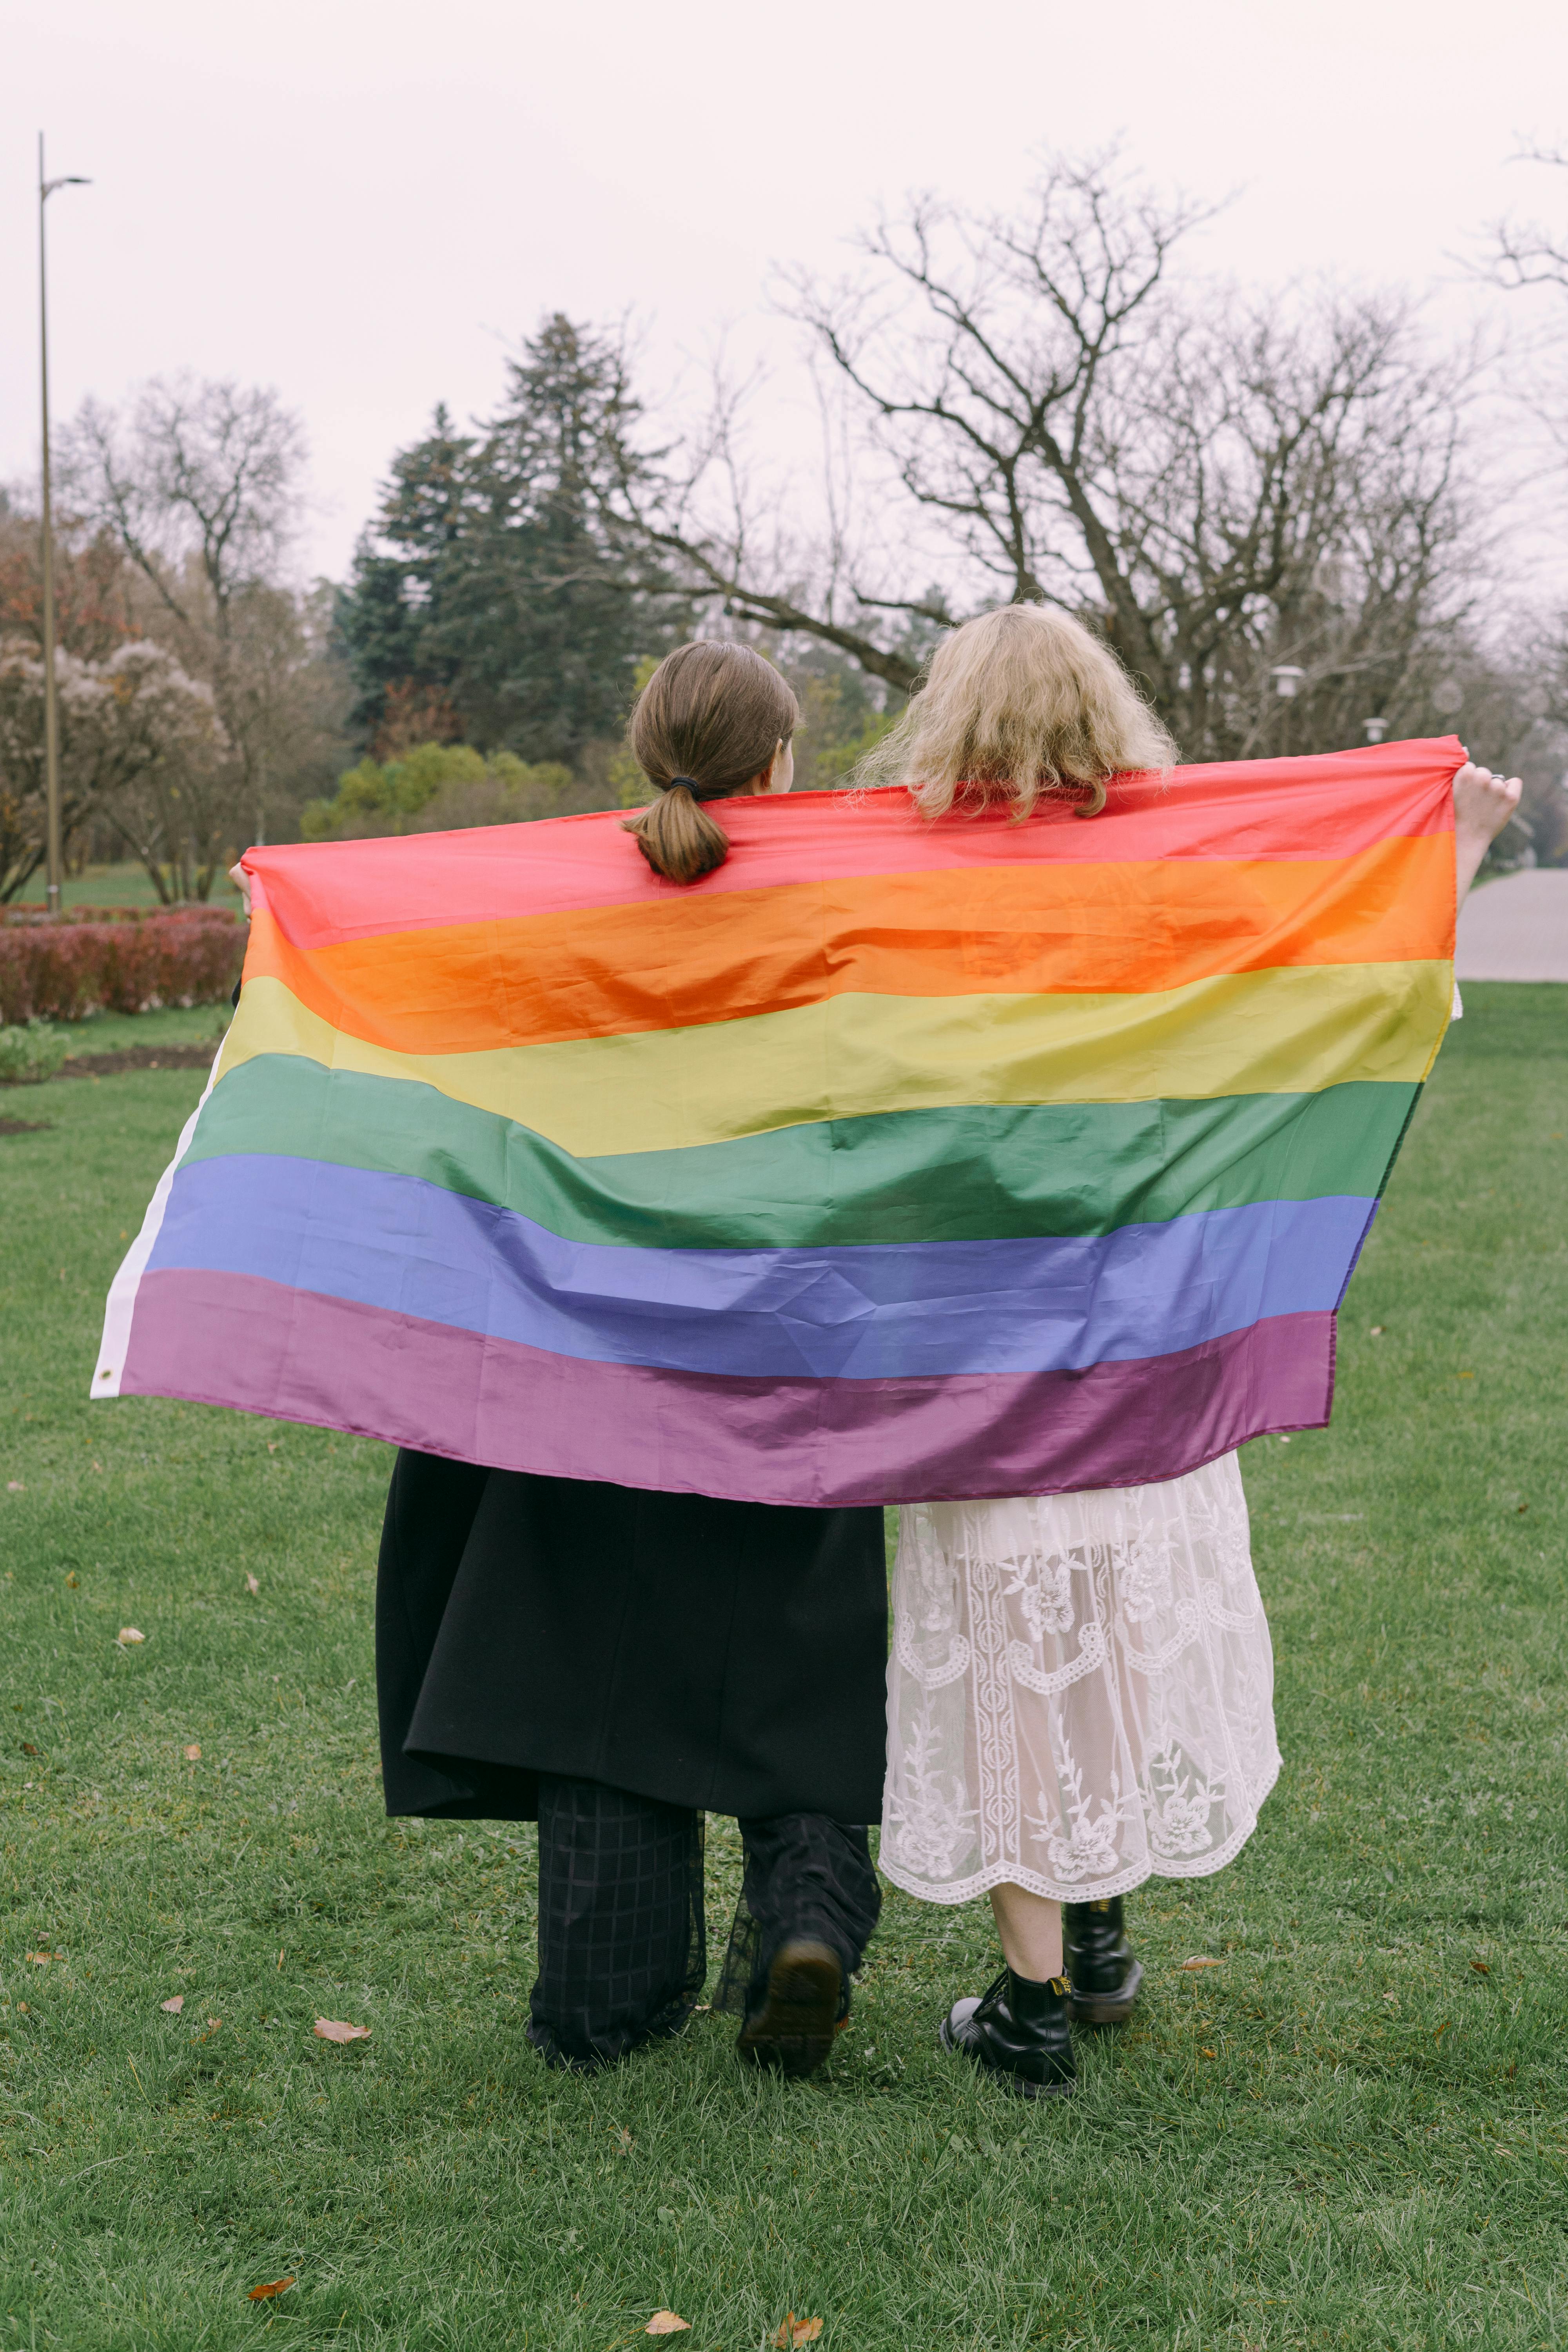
(981, 1172)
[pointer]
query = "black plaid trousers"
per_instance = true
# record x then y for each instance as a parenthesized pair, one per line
(623, 1947)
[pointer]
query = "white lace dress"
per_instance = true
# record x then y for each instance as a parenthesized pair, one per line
(1080, 1691)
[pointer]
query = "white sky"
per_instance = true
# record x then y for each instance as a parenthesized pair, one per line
(365, 202)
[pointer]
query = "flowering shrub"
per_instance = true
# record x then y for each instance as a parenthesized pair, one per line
(63, 971)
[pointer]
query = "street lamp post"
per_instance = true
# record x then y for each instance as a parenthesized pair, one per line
(51, 712)
(1287, 676)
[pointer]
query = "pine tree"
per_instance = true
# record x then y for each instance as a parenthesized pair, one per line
(489, 577)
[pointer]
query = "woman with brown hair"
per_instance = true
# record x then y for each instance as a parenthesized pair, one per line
(613, 1662)
(1080, 1689)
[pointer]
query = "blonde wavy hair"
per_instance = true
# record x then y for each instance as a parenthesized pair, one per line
(1017, 704)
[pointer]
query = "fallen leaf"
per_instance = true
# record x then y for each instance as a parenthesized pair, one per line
(14, 1486)
(1284, 1441)
(796, 2331)
(273, 1444)
(1522, 1509)
(128, 1633)
(273, 2286)
(332, 2029)
(29, 1749)
(666, 2323)
(1209, 2053)
(1201, 1960)
(174, 2005)
(40, 1959)
(1481, 1968)
(73, 1579)
(1377, 1330)
(192, 1754)
(215, 2022)
(1441, 2031)
(253, 1584)
(624, 2138)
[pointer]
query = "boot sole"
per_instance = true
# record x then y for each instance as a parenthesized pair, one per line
(793, 2030)
(1107, 2008)
(1019, 2085)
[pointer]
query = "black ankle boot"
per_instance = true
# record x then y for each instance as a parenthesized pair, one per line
(1103, 1976)
(1019, 2030)
(792, 2025)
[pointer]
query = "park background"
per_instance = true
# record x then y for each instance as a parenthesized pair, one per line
(415, 385)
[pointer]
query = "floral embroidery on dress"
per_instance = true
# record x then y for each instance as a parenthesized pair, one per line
(1105, 1652)
(932, 1825)
(1043, 1589)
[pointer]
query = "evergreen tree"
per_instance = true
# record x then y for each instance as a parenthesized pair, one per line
(489, 577)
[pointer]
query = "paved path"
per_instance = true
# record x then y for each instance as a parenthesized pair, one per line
(1516, 928)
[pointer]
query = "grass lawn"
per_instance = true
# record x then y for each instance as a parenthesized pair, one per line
(1354, 2132)
(111, 885)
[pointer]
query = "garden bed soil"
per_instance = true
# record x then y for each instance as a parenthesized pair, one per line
(138, 1057)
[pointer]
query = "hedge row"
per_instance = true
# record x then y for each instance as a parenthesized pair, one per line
(59, 971)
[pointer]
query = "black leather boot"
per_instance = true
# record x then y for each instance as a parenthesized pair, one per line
(1019, 2030)
(793, 2025)
(1101, 1972)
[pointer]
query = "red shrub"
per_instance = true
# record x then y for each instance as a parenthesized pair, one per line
(189, 955)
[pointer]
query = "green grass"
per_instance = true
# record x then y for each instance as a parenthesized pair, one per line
(111, 885)
(1346, 2136)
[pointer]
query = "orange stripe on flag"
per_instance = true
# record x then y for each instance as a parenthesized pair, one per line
(1128, 929)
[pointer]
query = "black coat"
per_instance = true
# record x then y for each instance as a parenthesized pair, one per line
(725, 1655)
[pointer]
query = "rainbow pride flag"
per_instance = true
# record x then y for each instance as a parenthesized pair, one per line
(892, 1160)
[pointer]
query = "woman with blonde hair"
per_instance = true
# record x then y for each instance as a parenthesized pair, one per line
(1080, 1686)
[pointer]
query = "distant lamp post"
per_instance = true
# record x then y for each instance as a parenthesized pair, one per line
(51, 711)
(1376, 729)
(1287, 676)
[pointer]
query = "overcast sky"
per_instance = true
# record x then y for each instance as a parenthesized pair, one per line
(365, 202)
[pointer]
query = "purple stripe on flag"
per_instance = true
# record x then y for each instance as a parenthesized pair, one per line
(296, 1355)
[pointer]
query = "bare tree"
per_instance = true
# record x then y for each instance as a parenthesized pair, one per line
(1527, 253)
(1223, 488)
(200, 485)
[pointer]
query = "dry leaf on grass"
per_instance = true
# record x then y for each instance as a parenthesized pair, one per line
(796, 2331)
(666, 2323)
(174, 2005)
(1481, 1968)
(29, 1749)
(1201, 1960)
(73, 1579)
(253, 1584)
(332, 2029)
(192, 1754)
(128, 1633)
(40, 1959)
(273, 2286)
(14, 1486)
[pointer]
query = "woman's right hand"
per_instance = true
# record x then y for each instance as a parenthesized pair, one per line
(241, 880)
(1483, 804)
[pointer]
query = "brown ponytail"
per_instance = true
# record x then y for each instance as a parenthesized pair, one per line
(708, 721)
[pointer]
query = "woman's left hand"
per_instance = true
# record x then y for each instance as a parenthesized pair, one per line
(241, 880)
(1483, 803)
